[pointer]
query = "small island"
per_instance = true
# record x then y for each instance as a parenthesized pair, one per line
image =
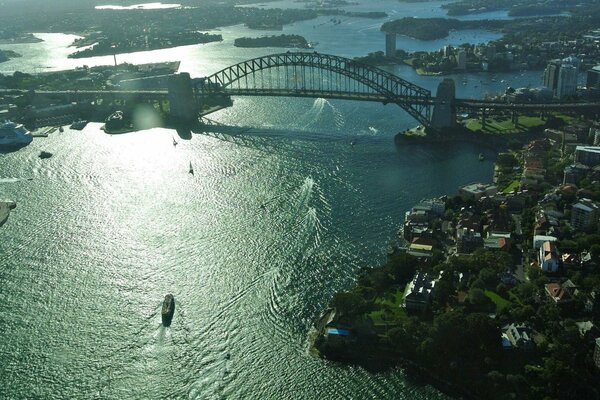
(288, 41)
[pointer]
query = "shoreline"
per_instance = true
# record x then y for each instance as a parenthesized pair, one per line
(491, 141)
(373, 353)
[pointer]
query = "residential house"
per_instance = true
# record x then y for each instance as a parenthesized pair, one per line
(548, 259)
(517, 337)
(561, 293)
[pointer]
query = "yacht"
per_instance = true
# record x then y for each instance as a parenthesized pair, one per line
(12, 134)
(168, 309)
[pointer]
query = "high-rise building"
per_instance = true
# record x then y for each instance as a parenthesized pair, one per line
(567, 81)
(390, 44)
(551, 74)
(461, 59)
(584, 214)
(593, 78)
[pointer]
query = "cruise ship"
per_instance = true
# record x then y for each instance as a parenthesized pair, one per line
(14, 135)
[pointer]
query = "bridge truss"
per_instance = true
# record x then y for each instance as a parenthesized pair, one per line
(303, 74)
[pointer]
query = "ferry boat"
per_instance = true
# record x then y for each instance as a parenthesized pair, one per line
(168, 309)
(14, 135)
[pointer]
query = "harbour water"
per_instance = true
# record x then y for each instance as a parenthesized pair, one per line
(280, 213)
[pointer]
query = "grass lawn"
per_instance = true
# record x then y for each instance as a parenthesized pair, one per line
(500, 302)
(514, 297)
(513, 185)
(496, 124)
(391, 308)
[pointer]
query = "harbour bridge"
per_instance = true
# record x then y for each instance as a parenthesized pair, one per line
(314, 75)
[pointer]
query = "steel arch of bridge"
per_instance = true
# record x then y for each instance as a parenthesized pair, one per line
(388, 88)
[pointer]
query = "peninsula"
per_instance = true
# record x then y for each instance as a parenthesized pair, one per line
(6, 55)
(493, 293)
(145, 43)
(287, 41)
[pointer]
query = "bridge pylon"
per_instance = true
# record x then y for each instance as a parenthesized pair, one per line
(182, 102)
(444, 111)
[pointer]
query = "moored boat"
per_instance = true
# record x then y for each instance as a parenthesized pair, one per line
(79, 125)
(168, 309)
(14, 135)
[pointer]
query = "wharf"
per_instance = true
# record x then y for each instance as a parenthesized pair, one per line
(43, 132)
(211, 110)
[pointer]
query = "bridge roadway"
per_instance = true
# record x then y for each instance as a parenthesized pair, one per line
(468, 104)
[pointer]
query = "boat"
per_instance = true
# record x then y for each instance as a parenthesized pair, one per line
(14, 135)
(481, 158)
(174, 142)
(44, 154)
(79, 124)
(191, 170)
(168, 309)
(117, 123)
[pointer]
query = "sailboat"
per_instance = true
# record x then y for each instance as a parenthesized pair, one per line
(191, 171)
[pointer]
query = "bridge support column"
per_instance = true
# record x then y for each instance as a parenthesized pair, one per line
(390, 44)
(444, 112)
(181, 98)
(483, 118)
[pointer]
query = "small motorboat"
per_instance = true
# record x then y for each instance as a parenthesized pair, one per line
(481, 158)
(191, 170)
(352, 143)
(168, 309)
(44, 154)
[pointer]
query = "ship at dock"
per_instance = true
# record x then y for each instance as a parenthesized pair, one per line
(14, 135)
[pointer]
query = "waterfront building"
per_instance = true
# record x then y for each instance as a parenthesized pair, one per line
(567, 81)
(390, 44)
(551, 74)
(475, 191)
(584, 214)
(588, 155)
(419, 292)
